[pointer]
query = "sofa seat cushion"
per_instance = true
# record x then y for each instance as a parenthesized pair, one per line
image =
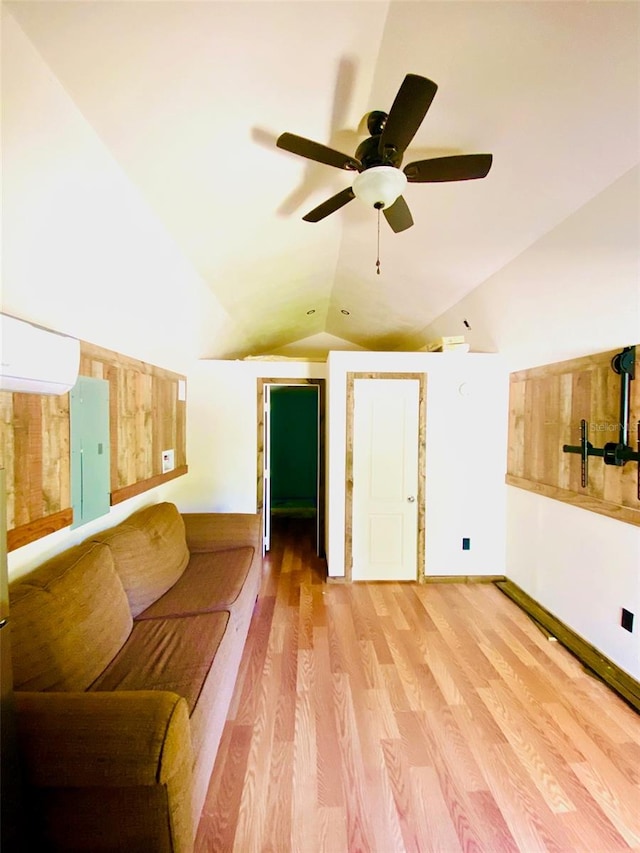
(210, 582)
(149, 552)
(69, 618)
(167, 654)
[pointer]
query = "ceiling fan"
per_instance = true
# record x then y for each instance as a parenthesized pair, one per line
(378, 158)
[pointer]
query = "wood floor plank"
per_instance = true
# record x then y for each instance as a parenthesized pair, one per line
(408, 674)
(619, 809)
(471, 829)
(304, 819)
(438, 662)
(330, 794)
(252, 815)
(255, 652)
(456, 750)
(359, 832)
(601, 776)
(530, 821)
(499, 833)
(383, 718)
(220, 814)
(279, 796)
(590, 829)
(381, 714)
(395, 689)
(332, 830)
(367, 722)
(522, 680)
(409, 599)
(543, 768)
(615, 714)
(414, 744)
(600, 732)
(400, 785)
(605, 723)
(432, 819)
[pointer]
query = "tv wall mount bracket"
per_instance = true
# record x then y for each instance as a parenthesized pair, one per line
(613, 453)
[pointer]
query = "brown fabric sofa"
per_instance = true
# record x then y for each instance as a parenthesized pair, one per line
(126, 650)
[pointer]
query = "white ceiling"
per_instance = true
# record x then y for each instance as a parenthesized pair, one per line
(189, 97)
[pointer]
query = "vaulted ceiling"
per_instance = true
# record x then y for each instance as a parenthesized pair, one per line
(189, 98)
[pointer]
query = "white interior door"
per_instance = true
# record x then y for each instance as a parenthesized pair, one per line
(385, 479)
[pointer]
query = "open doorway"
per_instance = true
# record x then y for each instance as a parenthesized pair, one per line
(291, 453)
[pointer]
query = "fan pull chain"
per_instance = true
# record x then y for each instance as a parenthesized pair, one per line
(378, 257)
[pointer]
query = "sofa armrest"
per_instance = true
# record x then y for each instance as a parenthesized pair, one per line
(220, 531)
(108, 770)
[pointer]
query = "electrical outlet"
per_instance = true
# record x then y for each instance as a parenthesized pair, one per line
(168, 461)
(466, 543)
(626, 620)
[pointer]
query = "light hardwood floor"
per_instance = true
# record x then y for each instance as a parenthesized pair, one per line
(398, 717)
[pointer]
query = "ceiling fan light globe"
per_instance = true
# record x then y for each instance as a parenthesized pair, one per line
(379, 186)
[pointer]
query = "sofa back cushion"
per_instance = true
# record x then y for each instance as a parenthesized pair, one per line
(149, 553)
(69, 618)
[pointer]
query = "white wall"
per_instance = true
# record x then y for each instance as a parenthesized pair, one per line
(574, 292)
(466, 439)
(465, 456)
(222, 434)
(583, 567)
(82, 252)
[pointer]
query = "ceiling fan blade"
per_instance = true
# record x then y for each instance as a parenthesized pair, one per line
(462, 167)
(407, 111)
(315, 151)
(329, 206)
(398, 215)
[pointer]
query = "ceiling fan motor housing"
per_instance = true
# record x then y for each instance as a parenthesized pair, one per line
(369, 154)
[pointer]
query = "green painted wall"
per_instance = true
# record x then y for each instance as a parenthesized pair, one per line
(294, 446)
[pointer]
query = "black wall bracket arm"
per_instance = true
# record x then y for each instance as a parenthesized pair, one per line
(613, 453)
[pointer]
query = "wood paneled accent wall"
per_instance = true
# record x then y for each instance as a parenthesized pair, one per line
(546, 405)
(35, 452)
(146, 418)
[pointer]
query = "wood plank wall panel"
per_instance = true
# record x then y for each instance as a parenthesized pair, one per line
(7, 452)
(146, 415)
(56, 450)
(34, 447)
(546, 405)
(146, 418)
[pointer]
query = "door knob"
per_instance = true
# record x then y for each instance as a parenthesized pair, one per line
(411, 499)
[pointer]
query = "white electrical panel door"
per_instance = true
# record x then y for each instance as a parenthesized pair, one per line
(90, 446)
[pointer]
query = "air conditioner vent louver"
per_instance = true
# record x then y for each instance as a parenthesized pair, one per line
(36, 360)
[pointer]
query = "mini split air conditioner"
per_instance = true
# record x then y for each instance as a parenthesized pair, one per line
(36, 360)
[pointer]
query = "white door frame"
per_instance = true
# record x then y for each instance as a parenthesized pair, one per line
(422, 432)
(262, 474)
(266, 470)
